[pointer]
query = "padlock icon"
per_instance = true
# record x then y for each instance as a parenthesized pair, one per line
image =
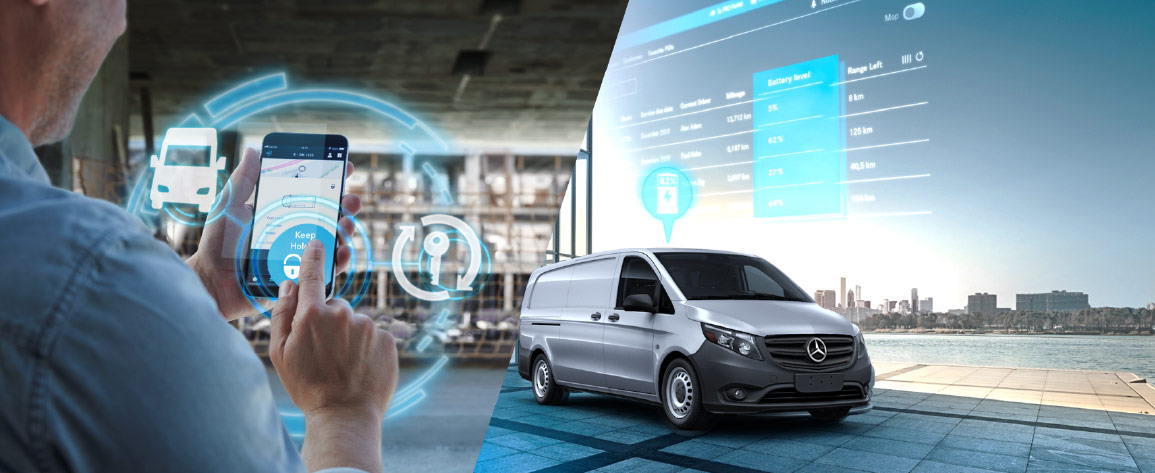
(292, 270)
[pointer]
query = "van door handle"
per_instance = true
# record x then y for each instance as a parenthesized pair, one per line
(614, 317)
(596, 316)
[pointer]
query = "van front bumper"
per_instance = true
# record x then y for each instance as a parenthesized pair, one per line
(767, 387)
(522, 361)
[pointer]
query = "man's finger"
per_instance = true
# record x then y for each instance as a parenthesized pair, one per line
(244, 177)
(346, 230)
(283, 312)
(311, 282)
(240, 186)
(344, 254)
(351, 204)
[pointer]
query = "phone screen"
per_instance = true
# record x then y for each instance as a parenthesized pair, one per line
(298, 199)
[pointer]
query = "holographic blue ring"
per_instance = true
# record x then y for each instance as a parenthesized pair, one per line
(261, 91)
(242, 254)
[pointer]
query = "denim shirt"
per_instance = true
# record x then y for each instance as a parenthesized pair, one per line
(113, 357)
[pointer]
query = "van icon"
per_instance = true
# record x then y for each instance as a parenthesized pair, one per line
(699, 332)
(299, 201)
(187, 168)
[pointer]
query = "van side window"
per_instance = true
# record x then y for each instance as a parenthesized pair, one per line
(639, 278)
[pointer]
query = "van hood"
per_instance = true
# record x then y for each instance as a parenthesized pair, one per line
(763, 318)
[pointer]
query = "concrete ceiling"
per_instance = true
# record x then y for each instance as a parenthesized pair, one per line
(545, 59)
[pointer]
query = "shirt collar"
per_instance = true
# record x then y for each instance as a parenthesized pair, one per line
(16, 155)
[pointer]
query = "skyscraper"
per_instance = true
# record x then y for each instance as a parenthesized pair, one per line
(926, 306)
(842, 292)
(1029, 302)
(1052, 301)
(857, 295)
(1063, 300)
(826, 298)
(986, 304)
(914, 300)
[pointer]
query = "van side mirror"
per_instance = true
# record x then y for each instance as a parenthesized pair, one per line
(639, 303)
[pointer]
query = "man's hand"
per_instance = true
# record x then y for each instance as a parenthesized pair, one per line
(215, 259)
(337, 367)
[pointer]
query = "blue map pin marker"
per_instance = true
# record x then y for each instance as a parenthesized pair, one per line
(667, 194)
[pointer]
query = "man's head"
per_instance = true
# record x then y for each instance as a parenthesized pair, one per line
(49, 52)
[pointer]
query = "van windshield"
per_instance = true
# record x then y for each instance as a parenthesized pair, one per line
(703, 276)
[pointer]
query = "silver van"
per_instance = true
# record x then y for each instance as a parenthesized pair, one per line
(701, 332)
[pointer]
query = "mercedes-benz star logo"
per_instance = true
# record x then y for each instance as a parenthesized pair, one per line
(816, 349)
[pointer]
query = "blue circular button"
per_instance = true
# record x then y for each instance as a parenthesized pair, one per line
(284, 260)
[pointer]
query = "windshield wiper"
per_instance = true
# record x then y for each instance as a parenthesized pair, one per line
(746, 295)
(765, 297)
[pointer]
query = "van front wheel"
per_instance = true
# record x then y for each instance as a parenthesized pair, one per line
(545, 388)
(682, 397)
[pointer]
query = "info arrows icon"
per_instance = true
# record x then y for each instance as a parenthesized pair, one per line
(464, 282)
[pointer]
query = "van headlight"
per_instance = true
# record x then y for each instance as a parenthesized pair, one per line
(860, 341)
(737, 342)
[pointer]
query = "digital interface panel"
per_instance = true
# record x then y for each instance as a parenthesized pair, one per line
(896, 143)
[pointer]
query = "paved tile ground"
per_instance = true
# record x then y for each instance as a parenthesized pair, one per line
(927, 418)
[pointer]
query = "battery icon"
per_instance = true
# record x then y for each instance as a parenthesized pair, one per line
(667, 194)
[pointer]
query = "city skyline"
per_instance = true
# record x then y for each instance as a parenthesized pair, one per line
(914, 300)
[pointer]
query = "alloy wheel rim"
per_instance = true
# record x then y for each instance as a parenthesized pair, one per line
(680, 393)
(540, 379)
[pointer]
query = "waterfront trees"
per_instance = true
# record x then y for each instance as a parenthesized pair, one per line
(1101, 320)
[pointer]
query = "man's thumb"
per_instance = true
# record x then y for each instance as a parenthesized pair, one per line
(282, 322)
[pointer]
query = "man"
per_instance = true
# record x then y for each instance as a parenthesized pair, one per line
(115, 355)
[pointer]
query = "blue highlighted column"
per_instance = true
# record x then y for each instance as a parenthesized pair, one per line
(798, 136)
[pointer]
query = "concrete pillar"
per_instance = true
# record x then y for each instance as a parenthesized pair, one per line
(382, 286)
(471, 182)
(507, 290)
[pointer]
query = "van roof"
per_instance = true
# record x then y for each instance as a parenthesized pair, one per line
(651, 251)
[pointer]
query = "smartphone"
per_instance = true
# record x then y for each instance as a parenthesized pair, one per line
(297, 199)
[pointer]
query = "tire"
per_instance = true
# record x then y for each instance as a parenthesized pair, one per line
(830, 415)
(545, 388)
(682, 397)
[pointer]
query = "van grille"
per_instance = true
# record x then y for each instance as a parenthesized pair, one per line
(789, 351)
(789, 395)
